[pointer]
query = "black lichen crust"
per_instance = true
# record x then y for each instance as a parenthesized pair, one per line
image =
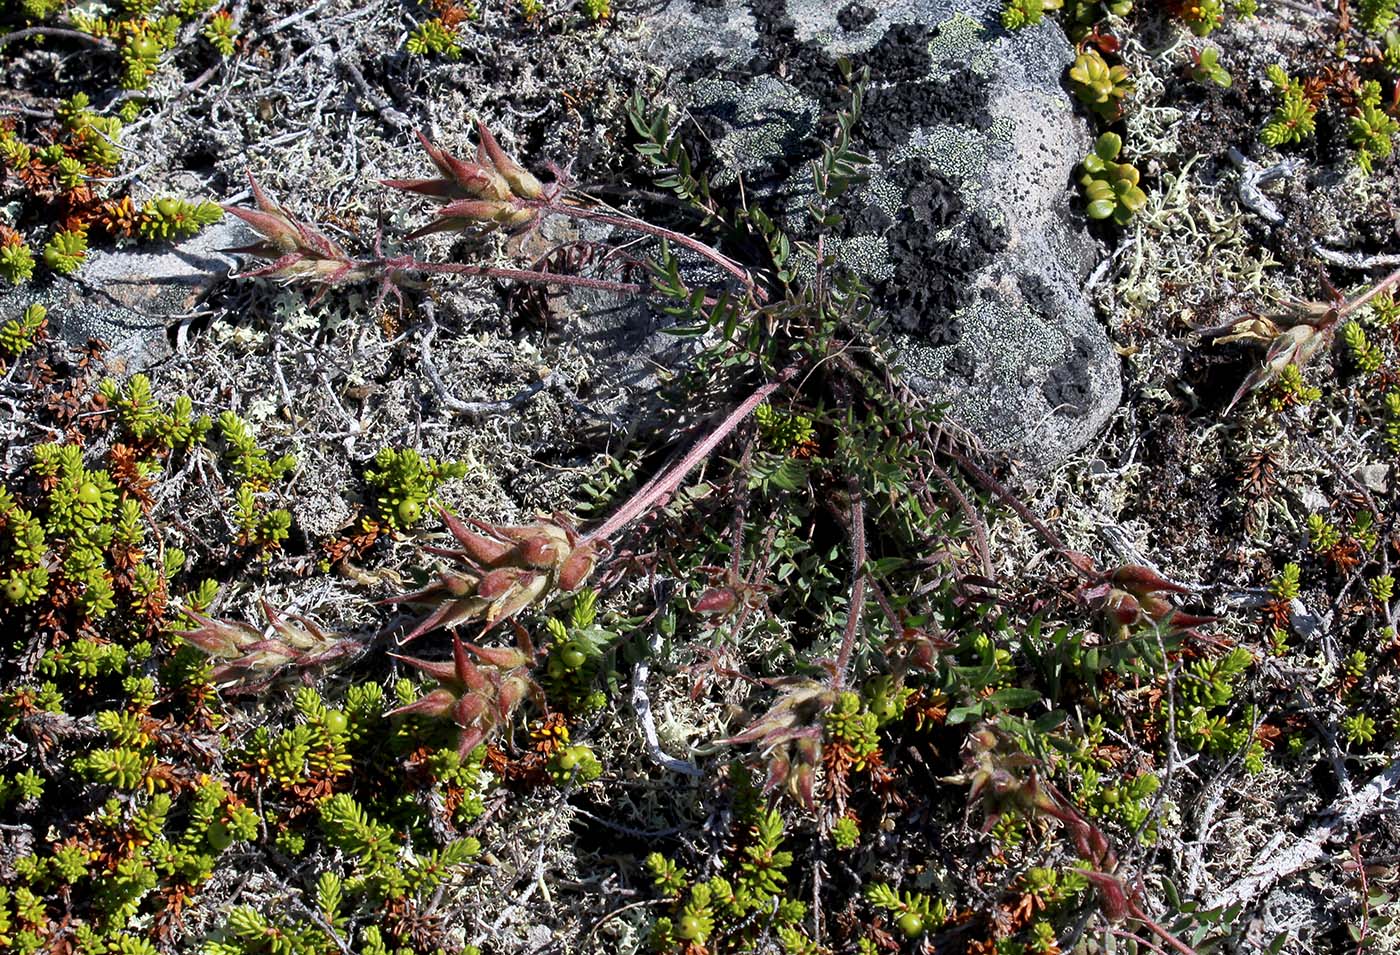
(935, 245)
(936, 248)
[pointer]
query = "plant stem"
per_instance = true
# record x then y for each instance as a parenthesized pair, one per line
(665, 483)
(1133, 938)
(1360, 300)
(646, 228)
(1159, 931)
(519, 275)
(1016, 504)
(974, 520)
(853, 612)
(58, 33)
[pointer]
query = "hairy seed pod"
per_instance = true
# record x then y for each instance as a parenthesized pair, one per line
(577, 567)
(522, 183)
(718, 600)
(500, 582)
(541, 552)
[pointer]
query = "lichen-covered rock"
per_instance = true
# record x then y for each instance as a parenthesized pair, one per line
(964, 227)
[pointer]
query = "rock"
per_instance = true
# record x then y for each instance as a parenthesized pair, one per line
(1374, 476)
(130, 298)
(965, 226)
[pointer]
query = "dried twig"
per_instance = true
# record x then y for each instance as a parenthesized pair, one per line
(641, 703)
(58, 33)
(1381, 794)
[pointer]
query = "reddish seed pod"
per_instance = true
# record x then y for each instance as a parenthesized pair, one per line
(483, 550)
(458, 585)
(1186, 620)
(522, 183)
(1155, 606)
(541, 552)
(469, 710)
(801, 786)
(507, 658)
(499, 582)
(478, 210)
(1142, 580)
(717, 600)
(1122, 608)
(472, 677)
(438, 188)
(921, 655)
(223, 638)
(438, 703)
(469, 740)
(513, 690)
(1113, 900)
(778, 768)
(530, 585)
(577, 568)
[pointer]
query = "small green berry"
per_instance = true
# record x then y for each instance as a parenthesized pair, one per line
(219, 837)
(572, 657)
(336, 721)
(89, 494)
(690, 928)
(15, 590)
(409, 511)
(911, 925)
(146, 48)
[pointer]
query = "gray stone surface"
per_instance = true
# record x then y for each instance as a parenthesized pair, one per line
(130, 298)
(965, 225)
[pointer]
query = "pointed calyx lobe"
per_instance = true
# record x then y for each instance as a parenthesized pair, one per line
(479, 689)
(297, 250)
(500, 571)
(477, 196)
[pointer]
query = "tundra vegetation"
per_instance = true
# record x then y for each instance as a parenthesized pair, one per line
(795, 665)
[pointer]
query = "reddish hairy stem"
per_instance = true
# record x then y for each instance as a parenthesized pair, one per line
(1133, 938)
(1159, 931)
(736, 534)
(896, 624)
(974, 520)
(1012, 501)
(1364, 933)
(646, 228)
(853, 613)
(520, 275)
(1360, 300)
(665, 483)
